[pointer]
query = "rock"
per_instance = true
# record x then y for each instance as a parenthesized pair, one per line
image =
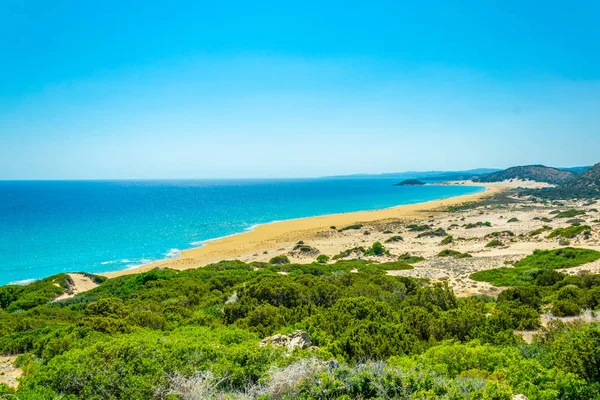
(298, 339)
(519, 397)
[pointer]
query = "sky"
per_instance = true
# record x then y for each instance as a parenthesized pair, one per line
(269, 89)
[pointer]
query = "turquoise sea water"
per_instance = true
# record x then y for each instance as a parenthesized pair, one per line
(48, 227)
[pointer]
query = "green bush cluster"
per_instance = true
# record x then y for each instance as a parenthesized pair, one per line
(570, 232)
(527, 269)
(453, 253)
(374, 335)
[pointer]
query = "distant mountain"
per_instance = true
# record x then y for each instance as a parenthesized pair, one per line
(410, 182)
(539, 173)
(576, 170)
(425, 175)
(584, 185)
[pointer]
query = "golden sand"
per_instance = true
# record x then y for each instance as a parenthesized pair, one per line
(274, 235)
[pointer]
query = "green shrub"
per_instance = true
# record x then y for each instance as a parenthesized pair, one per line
(570, 213)
(447, 240)
(513, 220)
(352, 227)
(565, 308)
(377, 249)
(540, 230)
(495, 243)
(477, 225)
(559, 258)
(418, 228)
(407, 258)
(432, 233)
(322, 259)
(570, 232)
(278, 260)
(394, 239)
(453, 253)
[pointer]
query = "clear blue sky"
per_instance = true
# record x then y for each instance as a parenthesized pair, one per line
(198, 89)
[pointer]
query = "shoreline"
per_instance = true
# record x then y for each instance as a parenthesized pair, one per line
(267, 236)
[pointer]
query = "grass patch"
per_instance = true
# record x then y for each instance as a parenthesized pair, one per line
(453, 253)
(439, 232)
(540, 230)
(395, 239)
(495, 243)
(346, 253)
(408, 259)
(570, 213)
(527, 269)
(351, 227)
(505, 276)
(447, 240)
(418, 228)
(570, 232)
(500, 234)
(477, 225)
(393, 266)
(560, 258)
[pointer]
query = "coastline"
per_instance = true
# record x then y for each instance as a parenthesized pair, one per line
(277, 234)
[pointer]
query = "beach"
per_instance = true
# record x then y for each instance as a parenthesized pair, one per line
(268, 240)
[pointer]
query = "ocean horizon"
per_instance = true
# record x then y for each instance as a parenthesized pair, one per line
(50, 227)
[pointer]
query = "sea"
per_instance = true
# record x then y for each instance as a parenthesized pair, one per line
(49, 227)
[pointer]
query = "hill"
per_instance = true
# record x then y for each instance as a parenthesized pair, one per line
(576, 170)
(424, 175)
(538, 173)
(585, 185)
(410, 182)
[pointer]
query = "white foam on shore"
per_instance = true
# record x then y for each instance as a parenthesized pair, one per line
(22, 282)
(173, 253)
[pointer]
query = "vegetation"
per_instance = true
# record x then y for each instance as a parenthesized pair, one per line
(543, 229)
(447, 240)
(585, 185)
(279, 260)
(408, 259)
(477, 225)
(528, 269)
(323, 259)
(351, 227)
(347, 253)
(539, 173)
(513, 220)
(453, 253)
(570, 213)
(495, 243)
(20, 297)
(377, 249)
(394, 239)
(439, 232)
(570, 232)
(178, 334)
(410, 182)
(418, 228)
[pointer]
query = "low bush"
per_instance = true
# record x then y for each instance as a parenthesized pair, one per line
(278, 260)
(495, 243)
(453, 253)
(322, 259)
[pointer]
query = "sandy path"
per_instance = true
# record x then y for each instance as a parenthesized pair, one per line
(81, 283)
(8, 372)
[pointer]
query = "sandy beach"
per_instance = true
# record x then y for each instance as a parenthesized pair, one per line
(268, 240)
